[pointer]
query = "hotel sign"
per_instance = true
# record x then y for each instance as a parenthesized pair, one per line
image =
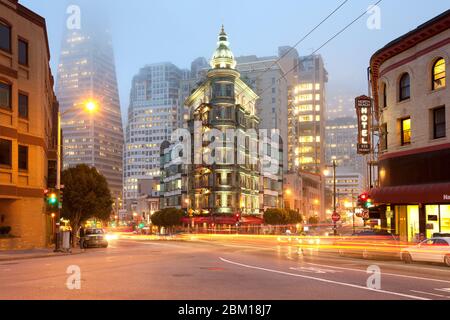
(364, 113)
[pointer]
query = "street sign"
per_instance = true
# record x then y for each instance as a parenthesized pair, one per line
(336, 217)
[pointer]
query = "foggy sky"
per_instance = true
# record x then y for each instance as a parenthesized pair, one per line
(150, 31)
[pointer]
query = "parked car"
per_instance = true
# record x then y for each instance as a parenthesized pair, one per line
(370, 244)
(95, 238)
(435, 250)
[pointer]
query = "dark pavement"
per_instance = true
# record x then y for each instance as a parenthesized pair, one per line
(228, 270)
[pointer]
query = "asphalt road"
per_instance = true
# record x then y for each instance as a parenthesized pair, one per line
(228, 270)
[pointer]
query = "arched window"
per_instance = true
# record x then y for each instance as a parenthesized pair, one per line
(384, 94)
(439, 74)
(405, 87)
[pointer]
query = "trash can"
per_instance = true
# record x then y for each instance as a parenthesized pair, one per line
(65, 241)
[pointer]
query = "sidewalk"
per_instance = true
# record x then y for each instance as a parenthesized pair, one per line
(34, 253)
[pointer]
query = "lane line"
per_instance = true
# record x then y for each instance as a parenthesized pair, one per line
(430, 294)
(383, 273)
(324, 280)
(401, 266)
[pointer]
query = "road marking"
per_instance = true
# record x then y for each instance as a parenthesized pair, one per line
(324, 280)
(447, 290)
(430, 294)
(384, 273)
(314, 270)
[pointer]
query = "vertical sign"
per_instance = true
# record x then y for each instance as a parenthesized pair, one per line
(364, 112)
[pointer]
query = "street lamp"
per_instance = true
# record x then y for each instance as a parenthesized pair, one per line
(327, 172)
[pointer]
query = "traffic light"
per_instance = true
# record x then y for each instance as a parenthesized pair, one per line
(369, 203)
(51, 199)
(238, 217)
(363, 200)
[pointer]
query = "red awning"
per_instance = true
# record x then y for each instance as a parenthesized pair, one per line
(252, 221)
(416, 194)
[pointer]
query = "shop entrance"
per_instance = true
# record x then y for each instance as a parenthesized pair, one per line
(408, 222)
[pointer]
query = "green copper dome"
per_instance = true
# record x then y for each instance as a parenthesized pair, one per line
(223, 58)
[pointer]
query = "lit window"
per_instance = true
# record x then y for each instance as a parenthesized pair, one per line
(439, 74)
(406, 131)
(405, 87)
(305, 97)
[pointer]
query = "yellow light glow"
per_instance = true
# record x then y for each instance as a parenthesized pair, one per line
(91, 106)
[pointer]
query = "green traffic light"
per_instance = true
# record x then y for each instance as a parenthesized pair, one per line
(53, 199)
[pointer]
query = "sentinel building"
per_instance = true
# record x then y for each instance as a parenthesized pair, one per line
(223, 177)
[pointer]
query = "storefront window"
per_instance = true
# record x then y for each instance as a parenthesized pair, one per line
(445, 219)
(413, 223)
(432, 213)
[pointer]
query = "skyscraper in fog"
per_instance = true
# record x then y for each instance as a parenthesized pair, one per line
(152, 117)
(87, 75)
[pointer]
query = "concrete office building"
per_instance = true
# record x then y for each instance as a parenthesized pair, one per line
(152, 117)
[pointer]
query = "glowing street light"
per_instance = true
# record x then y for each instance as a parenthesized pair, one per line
(91, 106)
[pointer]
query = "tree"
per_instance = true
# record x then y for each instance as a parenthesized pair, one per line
(282, 217)
(275, 217)
(294, 217)
(313, 220)
(168, 218)
(86, 196)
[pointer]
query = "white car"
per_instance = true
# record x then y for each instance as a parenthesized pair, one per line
(432, 250)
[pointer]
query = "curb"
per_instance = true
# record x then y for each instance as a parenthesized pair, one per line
(39, 256)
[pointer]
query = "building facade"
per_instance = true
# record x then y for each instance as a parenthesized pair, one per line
(152, 117)
(349, 185)
(412, 106)
(87, 77)
(266, 77)
(222, 175)
(341, 136)
(28, 128)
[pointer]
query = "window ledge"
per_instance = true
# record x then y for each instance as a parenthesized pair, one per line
(6, 111)
(433, 91)
(404, 101)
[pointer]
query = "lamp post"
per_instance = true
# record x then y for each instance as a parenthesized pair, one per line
(334, 166)
(91, 107)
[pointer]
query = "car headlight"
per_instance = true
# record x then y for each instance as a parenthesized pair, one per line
(110, 237)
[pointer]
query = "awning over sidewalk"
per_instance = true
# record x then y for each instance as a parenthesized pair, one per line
(425, 194)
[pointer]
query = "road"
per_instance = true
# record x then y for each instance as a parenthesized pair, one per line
(226, 270)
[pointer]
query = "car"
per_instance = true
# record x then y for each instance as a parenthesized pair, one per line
(370, 244)
(435, 250)
(95, 238)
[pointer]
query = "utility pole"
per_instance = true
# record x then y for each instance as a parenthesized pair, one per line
(334, 196)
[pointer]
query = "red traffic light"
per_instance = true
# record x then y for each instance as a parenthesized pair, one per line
(364, 196)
